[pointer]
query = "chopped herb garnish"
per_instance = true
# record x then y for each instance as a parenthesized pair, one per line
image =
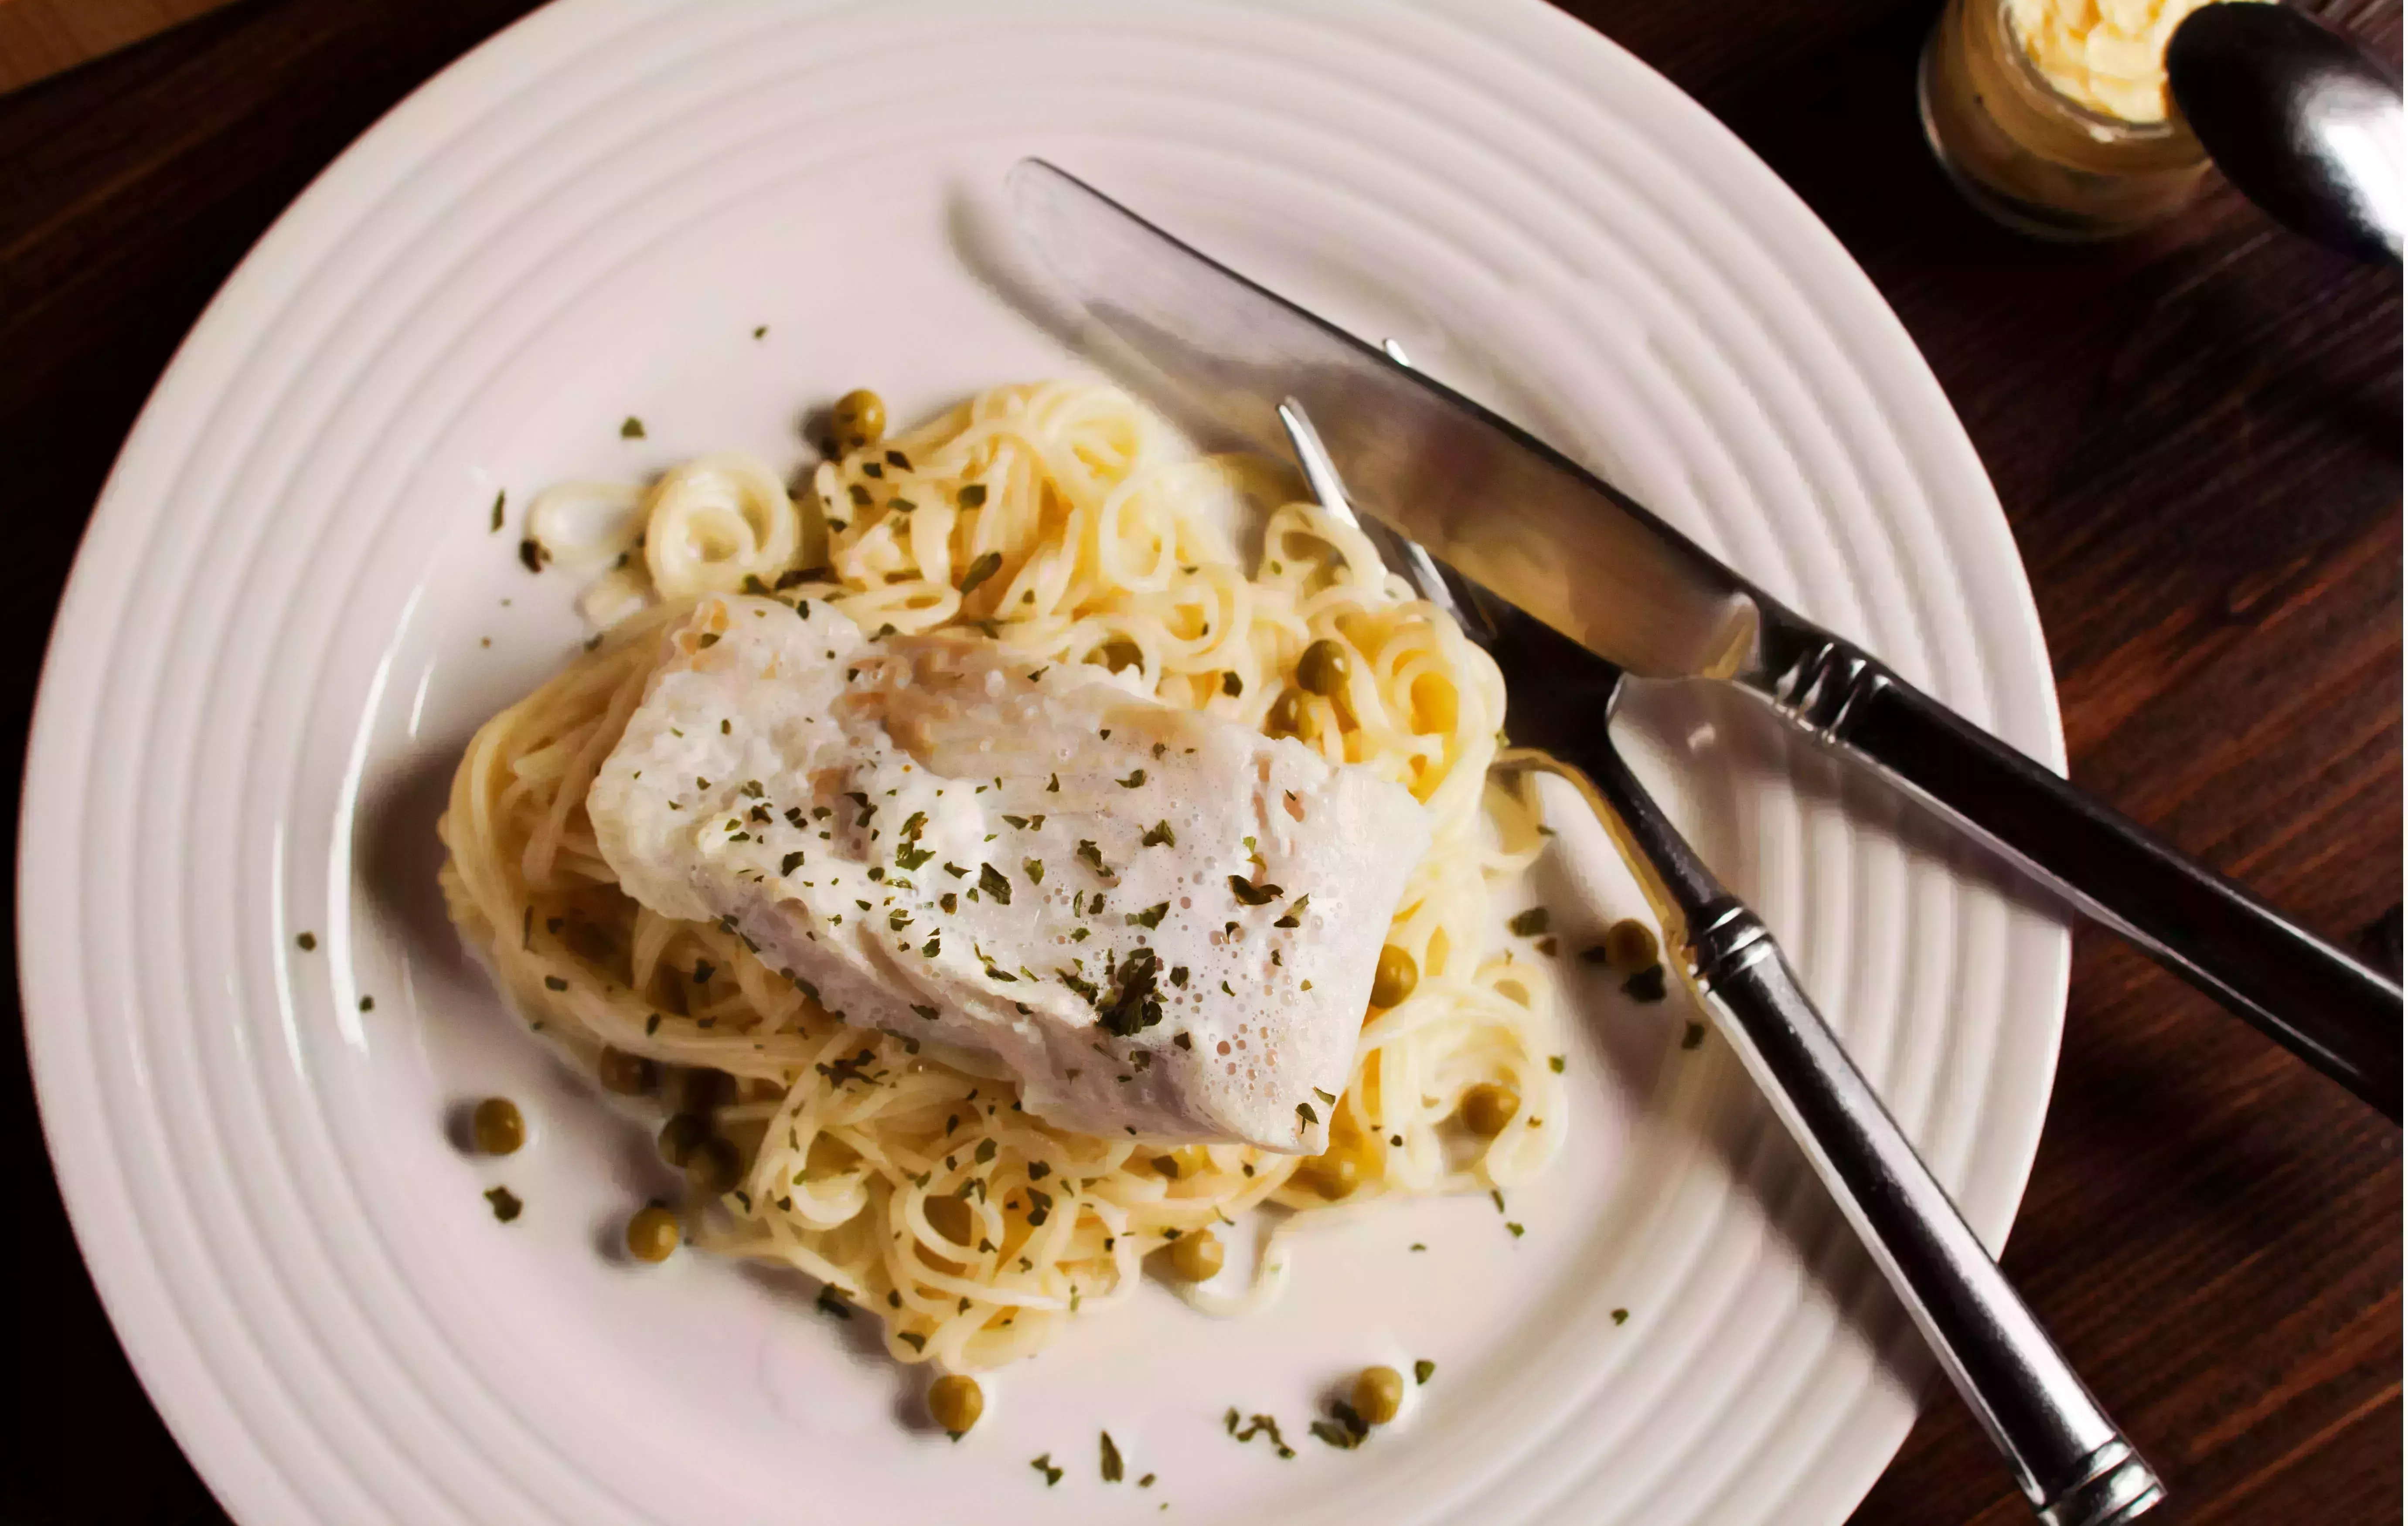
(1112, 1459)
(1035, 870)
(498, 511)
(1257, 1425)
(554, 982)
(1304, 1110)
(1252, 895)
(1053, 784)
(1093, 854)
(506, 1203)
(531, 555)
(1044, 1463)
(831, 1302)
(1159, 835)
(633, 429)
(790, 863)
(972, 496)
(1516, 1227)
(1136, 776)
(1019, 822)
(1150, 917)
(985, 567)
(308, 941)
(1529, 924)
(1295, 913)
(1345, 1429)
(1621, 1316)
(991, 880)
(1137, 1002)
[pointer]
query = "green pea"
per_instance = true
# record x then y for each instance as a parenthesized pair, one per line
(1395, 976)
(1486, 1108)
(1629, 945)
(498, 1126)
(1379, 1393)
(1293, 715)
(859, 419)
(1324, 667)
(652, 1234)
(955, 1403)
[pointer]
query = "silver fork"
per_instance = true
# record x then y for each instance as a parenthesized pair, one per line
(2073, 1465)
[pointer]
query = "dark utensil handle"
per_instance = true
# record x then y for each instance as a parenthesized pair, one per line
(2316, 1001)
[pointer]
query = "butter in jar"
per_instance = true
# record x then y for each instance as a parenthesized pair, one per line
(2052, 115)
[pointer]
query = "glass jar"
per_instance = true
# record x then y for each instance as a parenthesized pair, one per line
(2030, 155)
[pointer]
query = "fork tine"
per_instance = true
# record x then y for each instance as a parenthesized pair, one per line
(1313, 458)
(1401, 555)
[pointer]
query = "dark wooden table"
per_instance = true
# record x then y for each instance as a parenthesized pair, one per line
(2197, 435)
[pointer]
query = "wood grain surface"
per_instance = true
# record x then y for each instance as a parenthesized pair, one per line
(42, 38)
(2197, 435)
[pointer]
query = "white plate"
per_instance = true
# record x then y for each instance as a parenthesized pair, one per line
(274, 645)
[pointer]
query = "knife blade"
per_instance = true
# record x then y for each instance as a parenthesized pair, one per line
(1498, 503)
(1534, 527)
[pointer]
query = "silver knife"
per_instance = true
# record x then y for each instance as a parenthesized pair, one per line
(1511, 513)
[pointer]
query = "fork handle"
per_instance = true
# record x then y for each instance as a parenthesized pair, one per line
(2324, 1007)
(2073, 1465)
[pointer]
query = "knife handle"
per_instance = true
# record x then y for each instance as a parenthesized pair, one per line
(2316, 1001)
(2073, 1465)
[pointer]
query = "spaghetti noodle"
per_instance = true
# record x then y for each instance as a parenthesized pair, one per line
(1071, 525)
